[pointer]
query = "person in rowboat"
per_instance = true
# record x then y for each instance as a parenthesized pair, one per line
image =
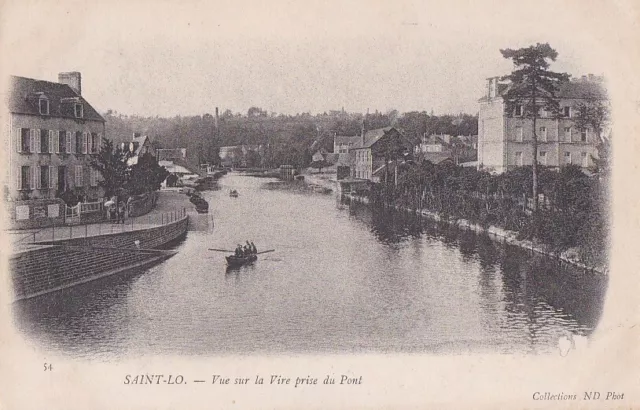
(254, 249)
(239, 252)
(247, 249)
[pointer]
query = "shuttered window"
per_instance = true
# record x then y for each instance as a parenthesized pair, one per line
(78, 140)
(79, 176)
(24, 177)
(44, 177)
(85, 137)
(61, 142)
(44, 142)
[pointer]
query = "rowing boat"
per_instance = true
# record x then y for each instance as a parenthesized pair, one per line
(236, 261)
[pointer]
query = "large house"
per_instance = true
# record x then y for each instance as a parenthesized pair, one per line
(54, 131)
(369, 154)
(505, 138)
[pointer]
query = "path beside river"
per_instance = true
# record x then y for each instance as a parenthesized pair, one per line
(169, 206)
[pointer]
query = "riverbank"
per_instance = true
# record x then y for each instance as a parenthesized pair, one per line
(299, 186)
(501, 235)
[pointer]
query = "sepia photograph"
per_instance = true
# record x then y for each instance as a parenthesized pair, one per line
(289, 197)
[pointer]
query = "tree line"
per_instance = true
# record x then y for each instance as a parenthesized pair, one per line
(287, 139)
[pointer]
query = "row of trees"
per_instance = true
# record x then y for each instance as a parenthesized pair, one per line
(572, 212)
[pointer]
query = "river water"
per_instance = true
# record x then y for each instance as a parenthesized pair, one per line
(343, 279)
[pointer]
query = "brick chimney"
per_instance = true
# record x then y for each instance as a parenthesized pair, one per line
(73, 79)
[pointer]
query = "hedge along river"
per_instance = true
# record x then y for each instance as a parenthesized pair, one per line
(343, 279)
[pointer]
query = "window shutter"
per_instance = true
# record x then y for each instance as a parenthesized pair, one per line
(19, 139)
(32, 140)
(35, 177)
(51, 141)
(19, 178)
(39, 140)
(84, 142)
(99, 143)
(56, 141)
(69, 145)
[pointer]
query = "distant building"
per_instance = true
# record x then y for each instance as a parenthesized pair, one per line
(54, 132)
(138, 146)
(238, 155)
(167, 154)
(369, 154)
(342, 144)
(433, 143)
(505, 138)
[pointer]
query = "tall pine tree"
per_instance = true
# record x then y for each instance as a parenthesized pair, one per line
(533, 87)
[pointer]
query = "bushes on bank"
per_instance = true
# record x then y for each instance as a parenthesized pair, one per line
(572, 205)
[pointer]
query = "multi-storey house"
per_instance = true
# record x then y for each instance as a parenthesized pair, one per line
(52, 132)
(505, 137)
(370, 154)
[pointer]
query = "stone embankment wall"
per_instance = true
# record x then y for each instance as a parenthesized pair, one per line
(44, 270)
(73, 261)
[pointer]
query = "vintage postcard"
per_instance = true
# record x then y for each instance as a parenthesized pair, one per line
(415, 204)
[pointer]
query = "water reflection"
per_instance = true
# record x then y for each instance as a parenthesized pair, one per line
(344, 278)
(534, 290)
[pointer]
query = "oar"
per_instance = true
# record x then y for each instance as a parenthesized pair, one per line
(270, 250)
(220, 250)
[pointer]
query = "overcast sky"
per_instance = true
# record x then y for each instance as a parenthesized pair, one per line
(182, 58)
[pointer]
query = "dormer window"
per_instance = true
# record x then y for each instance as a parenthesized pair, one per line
(78, 110)
(43, 105)
(519, 110)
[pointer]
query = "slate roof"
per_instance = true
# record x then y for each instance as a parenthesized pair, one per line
(24, 95)
(341, 139)
(575, 89)
(372, 136)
